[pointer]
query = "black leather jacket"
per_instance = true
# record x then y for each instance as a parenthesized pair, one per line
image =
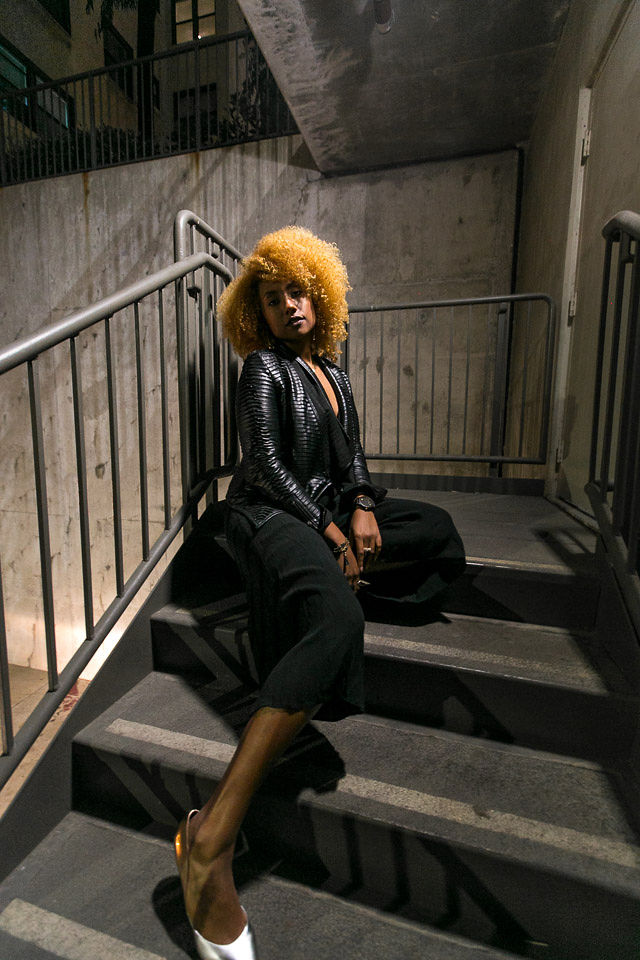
(295, 451)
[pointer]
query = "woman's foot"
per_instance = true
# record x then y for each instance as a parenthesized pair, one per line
(211, 901)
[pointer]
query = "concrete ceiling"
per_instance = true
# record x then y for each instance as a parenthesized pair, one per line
(451, 77)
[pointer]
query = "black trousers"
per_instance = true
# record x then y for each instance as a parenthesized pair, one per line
(306, 625)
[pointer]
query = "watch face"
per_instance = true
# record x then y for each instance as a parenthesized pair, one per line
(364, 502)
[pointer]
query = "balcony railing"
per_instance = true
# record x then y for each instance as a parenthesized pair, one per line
(210, 93)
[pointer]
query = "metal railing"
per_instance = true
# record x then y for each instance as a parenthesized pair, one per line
(454, 380)
(145, 377)
(614, 468)
(126, 378)
(210, 93)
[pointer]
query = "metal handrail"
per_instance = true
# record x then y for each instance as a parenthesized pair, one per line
(494, 408)
(616, 500)
(28, 348)
(625, 221)
(130, 64)
(201, 477)
(220, 92)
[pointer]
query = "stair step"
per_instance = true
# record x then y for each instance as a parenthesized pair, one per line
(549, 594)
(93, 890)
(544, 687)
(513, 845)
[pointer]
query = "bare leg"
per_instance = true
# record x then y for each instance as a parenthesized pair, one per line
(211, 900)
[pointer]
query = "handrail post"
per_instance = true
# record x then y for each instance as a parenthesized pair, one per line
(6, 721)
(498, 413)
(196, 53)
(3, 148)
(92, 126)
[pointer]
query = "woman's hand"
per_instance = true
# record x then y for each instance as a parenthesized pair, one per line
(364, 536)
(347, 559)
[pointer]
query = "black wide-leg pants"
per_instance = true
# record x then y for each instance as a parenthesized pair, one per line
(306, 625)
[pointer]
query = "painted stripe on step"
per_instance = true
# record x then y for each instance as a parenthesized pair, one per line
(65, 938)
(481, 656)
(444, 808)
(198, 746)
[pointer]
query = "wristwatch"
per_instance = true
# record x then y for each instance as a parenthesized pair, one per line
(363, 502)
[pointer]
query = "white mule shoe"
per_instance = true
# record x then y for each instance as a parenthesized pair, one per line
(243, 947)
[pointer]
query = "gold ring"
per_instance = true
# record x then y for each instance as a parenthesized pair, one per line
(367, 549)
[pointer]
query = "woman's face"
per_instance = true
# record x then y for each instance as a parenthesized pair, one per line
(288, 311)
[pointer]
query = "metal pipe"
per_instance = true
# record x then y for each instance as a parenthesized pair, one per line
(142, 435)
(44, 537)
(6, 720)
(81, 476)
(114, 445)
(164, 416)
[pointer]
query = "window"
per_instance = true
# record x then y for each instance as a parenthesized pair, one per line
(193, 19)
(186, 119)
(59, 10)
(13, 72)
(43, 111)
(117, 50)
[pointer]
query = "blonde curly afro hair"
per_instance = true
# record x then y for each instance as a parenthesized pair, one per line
(291, 254)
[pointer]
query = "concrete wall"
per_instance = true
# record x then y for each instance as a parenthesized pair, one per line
(598, 53)
(425, 231)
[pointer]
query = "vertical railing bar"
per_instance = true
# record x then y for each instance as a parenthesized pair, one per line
(6, 719)
(81, 474)
(54, 137)
(415, 385)
(83, 500)
(485, 384)
(398, 386)
(43, 522)
(548, 378)
(101, 105)
(68, 113)
(143, 113)
(196, 99)
(142, 436)
(112, 394)
(613, 367)
(117, 124)
(604, 309)
(3, 143)
(108, 77)
(466, 382)
(523, 396)
(33, 166)
(433, 378)
(92, 126)
(218, 373)
(164, 415)
(626, 466)
(45, 139)
(75, 123)
(450, 380)
(381, 403)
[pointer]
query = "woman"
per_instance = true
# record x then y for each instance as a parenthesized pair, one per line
(307, 527)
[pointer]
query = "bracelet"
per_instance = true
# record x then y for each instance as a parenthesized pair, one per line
(341, 548)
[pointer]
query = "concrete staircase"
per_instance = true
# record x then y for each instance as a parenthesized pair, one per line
(481, 808)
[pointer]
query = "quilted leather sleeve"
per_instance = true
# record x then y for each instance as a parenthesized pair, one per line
(261, 405)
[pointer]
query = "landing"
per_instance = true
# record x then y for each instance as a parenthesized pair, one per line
(513, 529)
